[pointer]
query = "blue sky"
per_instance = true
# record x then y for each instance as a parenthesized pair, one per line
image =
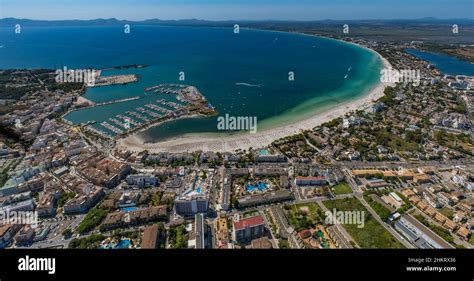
(237, 9)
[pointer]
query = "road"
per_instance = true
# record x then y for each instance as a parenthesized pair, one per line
(394, 233)
(57, 225)
(396, 164)
(273, 235)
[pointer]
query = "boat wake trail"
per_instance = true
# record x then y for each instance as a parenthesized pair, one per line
(348, 72)
(248, 85)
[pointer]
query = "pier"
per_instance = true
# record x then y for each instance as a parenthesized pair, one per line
(166, 88)
(97, 104)
(115, 101)
(138, 116)
(129, 120)
(99, 132)
(125, 67)
(111, 128)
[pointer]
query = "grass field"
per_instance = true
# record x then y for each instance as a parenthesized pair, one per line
(303, 216)
(395, 142)
(447, 212)
(380, 209)
(372, 235)
(342, 188)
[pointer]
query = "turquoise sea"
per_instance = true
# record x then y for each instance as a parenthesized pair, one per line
(243, 74)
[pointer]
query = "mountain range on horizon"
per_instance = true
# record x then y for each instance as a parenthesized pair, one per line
(114, 21)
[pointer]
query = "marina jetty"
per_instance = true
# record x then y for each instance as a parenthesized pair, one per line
(89, 104)
(116, 101)
(93, 104)
(189, 103)
(125, 67)
(166, 88)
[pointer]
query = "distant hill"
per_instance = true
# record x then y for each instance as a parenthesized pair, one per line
(111, 21)
(190, 22)
(432, 30)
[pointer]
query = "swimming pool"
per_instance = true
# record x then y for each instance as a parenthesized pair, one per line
(129, 209)
(123, 244)
(261, 186)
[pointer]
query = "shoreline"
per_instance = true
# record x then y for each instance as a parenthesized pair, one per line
(205, 142)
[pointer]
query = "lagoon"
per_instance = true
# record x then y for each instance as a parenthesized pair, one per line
(446, 64)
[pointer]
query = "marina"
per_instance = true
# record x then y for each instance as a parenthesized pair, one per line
(190, 102)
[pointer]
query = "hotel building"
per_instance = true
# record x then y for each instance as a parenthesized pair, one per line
(249, 228)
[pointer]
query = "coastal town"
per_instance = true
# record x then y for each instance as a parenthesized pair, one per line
(404, 162)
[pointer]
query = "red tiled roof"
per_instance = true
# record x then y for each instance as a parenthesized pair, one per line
(248, 222)
(150, 237)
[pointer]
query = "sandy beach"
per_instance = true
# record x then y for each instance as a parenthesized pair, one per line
(203, 142)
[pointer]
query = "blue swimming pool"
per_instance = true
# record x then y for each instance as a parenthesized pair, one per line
(261, 186)
(129, 209)
(123, 244)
